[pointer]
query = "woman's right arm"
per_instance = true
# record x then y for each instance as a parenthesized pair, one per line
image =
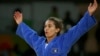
(25, 32)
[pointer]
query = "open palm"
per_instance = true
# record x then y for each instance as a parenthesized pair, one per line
(18, 17)
(92, 7)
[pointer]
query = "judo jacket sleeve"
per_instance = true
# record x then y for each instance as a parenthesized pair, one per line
(29, 35)
(74, 33)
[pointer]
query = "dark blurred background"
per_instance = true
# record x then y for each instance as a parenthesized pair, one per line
(35, 13)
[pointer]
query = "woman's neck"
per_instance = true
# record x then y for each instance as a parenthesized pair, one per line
(50, 38)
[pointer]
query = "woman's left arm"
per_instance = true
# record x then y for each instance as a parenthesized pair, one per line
(83, 26)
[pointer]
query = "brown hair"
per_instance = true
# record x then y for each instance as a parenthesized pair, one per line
(58, 23)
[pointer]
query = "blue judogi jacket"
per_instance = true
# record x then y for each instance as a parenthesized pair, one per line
(60, 45)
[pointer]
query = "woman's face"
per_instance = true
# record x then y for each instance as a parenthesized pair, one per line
(50, 29)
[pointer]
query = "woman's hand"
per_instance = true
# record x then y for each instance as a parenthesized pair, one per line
(92, 7)
(18, 17)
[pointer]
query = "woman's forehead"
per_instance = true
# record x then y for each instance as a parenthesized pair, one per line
(49, 21)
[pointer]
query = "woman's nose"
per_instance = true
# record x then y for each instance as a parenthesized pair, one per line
(46, 28)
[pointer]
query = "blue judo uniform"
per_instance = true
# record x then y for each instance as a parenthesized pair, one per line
(60, 45)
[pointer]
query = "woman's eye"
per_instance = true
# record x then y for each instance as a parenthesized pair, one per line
(49, 26)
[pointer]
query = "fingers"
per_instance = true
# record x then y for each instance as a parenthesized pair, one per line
(17, 15)
(95, 3)
(90, 4)
(14, 17)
